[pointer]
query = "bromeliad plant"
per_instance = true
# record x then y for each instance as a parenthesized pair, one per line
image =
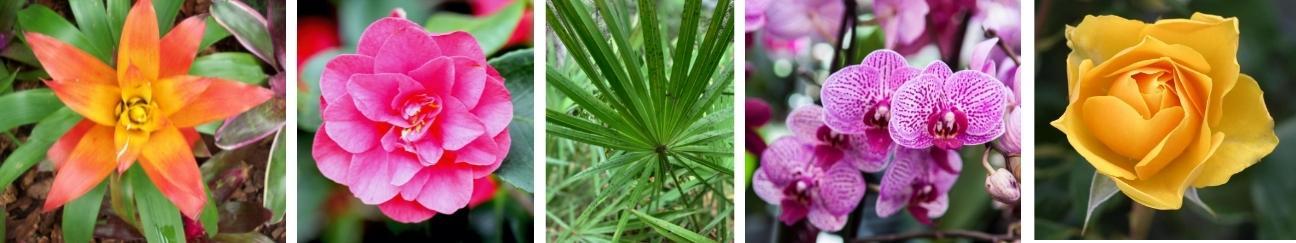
(660, 114)
(134, 90)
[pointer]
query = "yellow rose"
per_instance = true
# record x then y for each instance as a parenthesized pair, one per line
(1161, 107)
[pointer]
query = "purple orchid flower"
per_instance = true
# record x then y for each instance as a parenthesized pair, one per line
(1003, 17)
(919, 180)
(755, 11)
(948, 110)
(807, 185)
(911, 25)
(989, 58)
(857, 99)
(758, 114)
(807, 124)
(818, 19)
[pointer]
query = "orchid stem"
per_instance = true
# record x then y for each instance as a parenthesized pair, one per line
(985, 161)
(940, 234)
(1004, 47)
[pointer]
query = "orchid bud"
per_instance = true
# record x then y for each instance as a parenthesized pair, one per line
(1002, 185)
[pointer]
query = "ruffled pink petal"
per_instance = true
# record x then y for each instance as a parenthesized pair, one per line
(503, 141)
(784, 159)
(373, 94)
(841, 189)
(429, 151)
(910, 109)
(470, 80)
(377, 34)
(848, 95)
(458, 127)
(460, 44)
(824, 220)
(367, 177)
(495, 109)
(483, 191)
(333, 81)
(412, 188)
(437, 75)
(402, 166)
(805, 122)
(331, 160)
(405, 211)
(449, 187)
(765, 189)
(482, 151)
(405, 50)
(983, 100)
(390, 140)
(349, 128)
(896, 187)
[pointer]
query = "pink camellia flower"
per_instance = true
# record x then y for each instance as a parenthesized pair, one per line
(858, 99)
(948, 109)
(920, 180)
(807, 124)
(411, 119)
(806, 185)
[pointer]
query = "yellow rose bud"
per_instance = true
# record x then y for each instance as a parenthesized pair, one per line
(1160, 107)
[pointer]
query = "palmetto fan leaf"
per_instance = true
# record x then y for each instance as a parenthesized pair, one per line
(660, 112)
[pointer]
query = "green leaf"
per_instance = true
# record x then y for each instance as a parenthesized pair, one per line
(116, 16)
(308, 109)
(516, 68)
(276, 179)
(80, 215)
(212, 33)
(236, 66)
(210, 217)
(40, 19)
(247, 25)
(1272, 191)
(491, 32)
(355, 15)
(253, 237)
(166, 11)
(252, 125)
(159, 219)
(27, 107)
(672, 231)
(1101, 189)
(46, 132)
(92, 18)
(1191, 195)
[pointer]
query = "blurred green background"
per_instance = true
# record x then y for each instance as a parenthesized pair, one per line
(1254, 204)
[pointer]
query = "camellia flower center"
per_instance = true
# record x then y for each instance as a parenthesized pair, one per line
(420, 111)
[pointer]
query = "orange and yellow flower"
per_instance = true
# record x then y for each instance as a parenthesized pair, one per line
(143, 110)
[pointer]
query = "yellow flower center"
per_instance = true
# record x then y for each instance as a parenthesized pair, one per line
(136, 113)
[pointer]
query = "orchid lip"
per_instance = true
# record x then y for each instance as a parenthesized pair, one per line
(945, 125)
(879, 116)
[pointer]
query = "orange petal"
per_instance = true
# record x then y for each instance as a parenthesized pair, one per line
(128, 144)
(85, 168)
(94, 101)
(63, 148)
(173, 93)
(65, 62)
(222, 99)
(170, 164)
(181, 44)
(138, 51)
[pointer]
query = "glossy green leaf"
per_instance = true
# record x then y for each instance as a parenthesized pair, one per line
(516, 68)
(355, 15)
(27, 107)
(46, 132)
(212, 32)
(308, 99)
(116, 11)
(491, 32)
(253, 125)
(81, 214)
(159, 219)
(166, 11)
(247, 25)
(236, 66)
(41, 19)
(1100, 190)
(1271, 193)
(672, 231)
(92, 18)
(210, 217)
(276, 179)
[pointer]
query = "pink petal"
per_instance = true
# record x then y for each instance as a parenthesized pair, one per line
(910, 109)
(825, 220)
(867, 157)
(373, 94)
(331, 160)
(841, 189)
(792, 211)
(412, 188)
(495, 109)
(805, 122)
(482, 151)
(503, 141)
(470, 80)
(356, 133)
(429, 151)
(460, 44)
(938, 69)
(888, 62)
(483, 191)
(339, 70)
(390, 140)
(765, 189)
(405, 50)
(896, 187)
(448, 188)
(377, 34)
(367, 177)
(848, 95)
(437, 75)
(404, 211)
(401, 167)
(458, 127)
(784, 159)
(983, 100)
